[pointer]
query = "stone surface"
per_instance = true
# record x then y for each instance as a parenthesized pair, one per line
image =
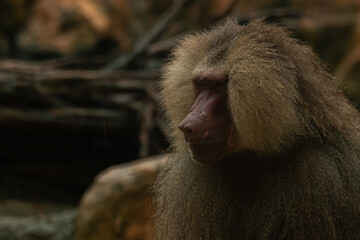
(67, 27)
(59, 226)
(117, 205)
(63, 26)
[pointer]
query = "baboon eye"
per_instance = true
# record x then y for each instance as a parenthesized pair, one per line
(218, 84)
(200, 85)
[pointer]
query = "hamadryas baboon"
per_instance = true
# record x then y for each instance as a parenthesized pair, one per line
(264, 145)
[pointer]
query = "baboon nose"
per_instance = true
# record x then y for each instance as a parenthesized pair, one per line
(185, 128)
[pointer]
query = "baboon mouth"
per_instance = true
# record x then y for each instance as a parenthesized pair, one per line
(207, 153)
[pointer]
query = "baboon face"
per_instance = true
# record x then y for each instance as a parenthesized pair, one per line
(208, 127)
(230, 93)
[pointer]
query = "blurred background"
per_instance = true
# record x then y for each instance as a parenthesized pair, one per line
(78, 95)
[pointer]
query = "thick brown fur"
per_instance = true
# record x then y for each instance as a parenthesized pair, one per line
(295, 173)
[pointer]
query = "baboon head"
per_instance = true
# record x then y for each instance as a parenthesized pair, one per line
(246, 88)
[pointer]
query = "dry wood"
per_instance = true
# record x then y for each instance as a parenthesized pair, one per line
(39, 71)
(36, 91)
(270, 14)
(154, 32)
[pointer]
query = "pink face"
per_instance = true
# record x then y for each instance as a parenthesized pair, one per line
(207, 127)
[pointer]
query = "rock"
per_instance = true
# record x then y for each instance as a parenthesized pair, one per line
(117, 205)
(69, 27)
(35, 209)
(62, 27)
(58, 226)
